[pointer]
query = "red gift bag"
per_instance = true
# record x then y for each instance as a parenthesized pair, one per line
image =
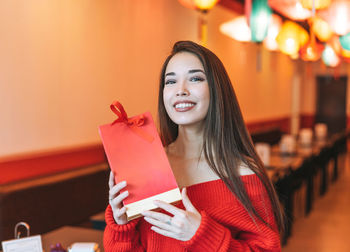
(135, 154)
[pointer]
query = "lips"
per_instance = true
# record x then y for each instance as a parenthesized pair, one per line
(183, 106)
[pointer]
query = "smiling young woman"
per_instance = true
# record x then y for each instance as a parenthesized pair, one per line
(229, 204)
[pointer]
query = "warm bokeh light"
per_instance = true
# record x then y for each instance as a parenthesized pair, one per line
(291, 37)
(294, 56)
(335, 44)
(291, 9)
(270, 42)
(237, 29)
(329, 57)
(345, 53)
(199, 4)
(338, 16)
(311, 51)
(188, 3)
(345, 41)
(319, 4)
(321, 29)
(260, 16)
(303, 36)
(205, 4)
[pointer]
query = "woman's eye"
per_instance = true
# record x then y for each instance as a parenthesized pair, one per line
(196, 78)
(169, 82)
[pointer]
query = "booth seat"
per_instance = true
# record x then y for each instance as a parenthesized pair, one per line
(54, 200)
(271, 135)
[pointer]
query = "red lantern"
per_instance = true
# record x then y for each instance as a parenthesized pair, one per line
(311, 51)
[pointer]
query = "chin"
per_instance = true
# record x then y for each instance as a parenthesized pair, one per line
(189, 123)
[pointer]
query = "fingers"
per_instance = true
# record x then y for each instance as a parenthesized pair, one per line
(117, 201)
(111, 180)
(160, 220)
(163, 225)
(116, 189)
(156, 215)
(169, 208)
(186, 201)
(120, 212)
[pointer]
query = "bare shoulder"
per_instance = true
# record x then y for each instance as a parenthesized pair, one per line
(245, 170)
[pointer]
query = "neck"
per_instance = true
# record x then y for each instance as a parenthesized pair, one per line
(189, 142)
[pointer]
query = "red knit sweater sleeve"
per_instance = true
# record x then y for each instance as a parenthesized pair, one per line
(211, 236)
(119, 238)
(250, 235)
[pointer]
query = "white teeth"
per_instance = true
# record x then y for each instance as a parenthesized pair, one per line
(184, 105)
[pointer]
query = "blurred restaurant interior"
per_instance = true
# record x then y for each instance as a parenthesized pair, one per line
(64, 62)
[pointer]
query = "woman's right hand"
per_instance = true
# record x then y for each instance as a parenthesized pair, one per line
(116, 200)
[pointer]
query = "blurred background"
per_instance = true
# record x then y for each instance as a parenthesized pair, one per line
(64, 62)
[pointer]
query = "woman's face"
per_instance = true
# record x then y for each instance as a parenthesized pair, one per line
(186, 93)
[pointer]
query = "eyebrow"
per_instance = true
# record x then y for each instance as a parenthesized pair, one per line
(190, 71)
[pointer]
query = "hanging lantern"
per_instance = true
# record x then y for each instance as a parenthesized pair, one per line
(338, 16)
(291, 37)
(237, 29)
(319, 4)
(321, 29)
(270, 42)
(311, 51)
(259, 20)
(190, 4)
(335, 44)
(345, 41)
(345, 53)
(329, 57)
(291, 9)
(205, 4)
(247, 9)
(303, 36)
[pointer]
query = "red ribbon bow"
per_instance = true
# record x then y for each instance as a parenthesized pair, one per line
(134, 123)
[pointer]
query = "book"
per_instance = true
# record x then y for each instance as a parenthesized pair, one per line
(135, 154)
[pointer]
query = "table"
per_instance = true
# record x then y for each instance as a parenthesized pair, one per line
(68, 235)
(289, 171)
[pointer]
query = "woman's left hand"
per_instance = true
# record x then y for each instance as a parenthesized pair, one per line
(182, 226)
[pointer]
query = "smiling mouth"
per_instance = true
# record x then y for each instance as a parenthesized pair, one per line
(184, 106)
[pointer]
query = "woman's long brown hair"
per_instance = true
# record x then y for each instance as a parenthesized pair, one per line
(226, 141)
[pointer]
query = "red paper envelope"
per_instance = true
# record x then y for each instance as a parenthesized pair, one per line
(135, 154)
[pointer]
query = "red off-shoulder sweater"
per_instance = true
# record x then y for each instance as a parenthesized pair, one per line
(225, 224)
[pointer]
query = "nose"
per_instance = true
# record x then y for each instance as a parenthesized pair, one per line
(182, 90)
(182, 93)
